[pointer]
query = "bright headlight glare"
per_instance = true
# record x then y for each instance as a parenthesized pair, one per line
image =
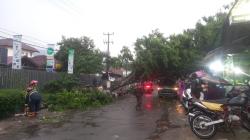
(238, 70)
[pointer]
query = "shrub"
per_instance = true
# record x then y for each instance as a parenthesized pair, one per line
(53, 86)
(66, 83)
(11, 101)
(76, 100)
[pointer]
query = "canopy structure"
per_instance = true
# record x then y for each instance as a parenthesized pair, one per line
(204, 76)
(236, 31)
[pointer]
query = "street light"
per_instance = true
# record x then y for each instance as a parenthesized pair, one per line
(216, 66)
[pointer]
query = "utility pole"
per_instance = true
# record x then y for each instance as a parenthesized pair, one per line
(108, 52)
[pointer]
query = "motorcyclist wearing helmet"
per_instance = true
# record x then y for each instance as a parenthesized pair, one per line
(33, 99)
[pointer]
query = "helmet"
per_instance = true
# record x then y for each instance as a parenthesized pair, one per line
(193, 76)
(200, 73)
(33, 82)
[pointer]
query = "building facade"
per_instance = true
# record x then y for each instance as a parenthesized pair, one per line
(26, 49)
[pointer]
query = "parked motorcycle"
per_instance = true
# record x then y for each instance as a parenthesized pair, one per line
(221, 112)
(187, 97)
(188, 104)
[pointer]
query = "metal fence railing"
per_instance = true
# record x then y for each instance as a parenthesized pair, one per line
(10, 78)
(19, 79)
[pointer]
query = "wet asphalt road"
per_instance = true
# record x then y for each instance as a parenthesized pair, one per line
(158, 120)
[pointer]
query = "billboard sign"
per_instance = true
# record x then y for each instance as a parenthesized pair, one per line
(17, 52)
(50, 58)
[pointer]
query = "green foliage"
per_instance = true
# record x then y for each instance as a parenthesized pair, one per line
(67, 82)
(87, 59)
(76, 100)
(208, 32)
(115, 62)
(11, 101)
(177, 55)
(156, 56)
(126, 58)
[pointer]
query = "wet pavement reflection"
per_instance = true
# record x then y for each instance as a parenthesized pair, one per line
(159, 119)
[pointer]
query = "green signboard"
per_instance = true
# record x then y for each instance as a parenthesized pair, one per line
(50, 51)
(71, 61)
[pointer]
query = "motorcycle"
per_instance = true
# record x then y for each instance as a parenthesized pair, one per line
(188, 104)
(187, 98)
(229, 111)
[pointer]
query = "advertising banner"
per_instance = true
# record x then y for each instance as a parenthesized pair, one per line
(71, 61)
(17, 52)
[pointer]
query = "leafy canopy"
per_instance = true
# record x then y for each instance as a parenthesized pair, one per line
(87, 59)
(176, 55)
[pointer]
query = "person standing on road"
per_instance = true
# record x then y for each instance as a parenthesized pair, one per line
(137, 91)
(139, 95)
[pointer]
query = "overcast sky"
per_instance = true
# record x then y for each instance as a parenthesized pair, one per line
(48, 20)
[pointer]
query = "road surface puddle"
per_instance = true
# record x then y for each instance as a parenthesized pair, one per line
(163, 124)
(92, 124)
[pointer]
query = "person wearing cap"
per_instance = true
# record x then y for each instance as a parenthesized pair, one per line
(33, 99)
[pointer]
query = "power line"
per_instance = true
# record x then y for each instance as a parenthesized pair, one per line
(7, 30)
(5, 33)
(30, 44)
(26, 43)
(71, 5)
(37, 39)
(61, 6)
(11, 35)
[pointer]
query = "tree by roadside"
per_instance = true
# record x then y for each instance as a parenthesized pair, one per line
(115, 62)
(208, 32)
(179, 54)
(126, 58)
(87, 58)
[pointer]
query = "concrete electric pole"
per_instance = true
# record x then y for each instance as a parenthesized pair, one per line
(108, 83)
(108, 52)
